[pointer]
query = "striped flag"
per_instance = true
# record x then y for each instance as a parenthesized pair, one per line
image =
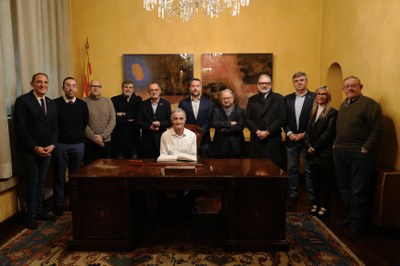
(88, 72)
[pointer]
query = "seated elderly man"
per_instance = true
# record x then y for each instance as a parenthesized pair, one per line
(178, 142)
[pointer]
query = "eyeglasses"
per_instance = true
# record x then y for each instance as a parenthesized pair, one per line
(226, 98)
(350, 86)
(95, 86)
(264, 83)
(323, 95)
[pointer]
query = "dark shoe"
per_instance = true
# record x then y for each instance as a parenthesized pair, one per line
(343, 222)
(44, 217)
(354, 235)
(292, 202)
(31, 224)
(59, 211)
(314, 210)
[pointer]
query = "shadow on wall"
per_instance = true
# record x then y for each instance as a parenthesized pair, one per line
(388, 147)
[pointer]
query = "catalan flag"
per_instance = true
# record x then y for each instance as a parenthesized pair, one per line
(88, 71)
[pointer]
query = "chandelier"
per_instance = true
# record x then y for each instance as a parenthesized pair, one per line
(167, 9)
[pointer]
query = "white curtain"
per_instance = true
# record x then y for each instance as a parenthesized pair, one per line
(34, 37)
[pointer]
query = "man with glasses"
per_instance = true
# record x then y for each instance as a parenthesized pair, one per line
(265, 116)
(298, 108)
(73, 117)
(228, 121)
(359, 129)
(100, 126)
(154, 118)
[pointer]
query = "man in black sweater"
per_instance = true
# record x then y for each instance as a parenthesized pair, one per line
(73, 117)
(359, 128)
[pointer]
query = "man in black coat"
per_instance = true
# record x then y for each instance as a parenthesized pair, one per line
(265, 116)
(154, 118)
(228, 121)
(126, 135)
(35, 124)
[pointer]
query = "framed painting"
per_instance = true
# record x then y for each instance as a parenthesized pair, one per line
(238, 72)
(172, 72)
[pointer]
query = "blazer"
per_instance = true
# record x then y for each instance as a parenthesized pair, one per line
(320, 135)
(32, 126)
(146, 117)
(291, 115)
(266, 114)
(204, 116)
(126, 132)
(225, 133)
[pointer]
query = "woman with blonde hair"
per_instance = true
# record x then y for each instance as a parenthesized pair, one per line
(319, 139)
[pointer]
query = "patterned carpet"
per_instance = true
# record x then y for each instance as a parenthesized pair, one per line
(311, 243)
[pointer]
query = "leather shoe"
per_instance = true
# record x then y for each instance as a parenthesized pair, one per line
(58, 211)
(44, 217)
(31, 224)
(343, 222)
(354, 235)
(292, 202)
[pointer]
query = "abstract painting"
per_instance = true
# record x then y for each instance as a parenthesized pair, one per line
(172, 72)
(238, 72)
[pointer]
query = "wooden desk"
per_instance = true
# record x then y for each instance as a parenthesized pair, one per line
(254, 192)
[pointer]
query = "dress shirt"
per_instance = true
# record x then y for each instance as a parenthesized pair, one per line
(298, 106)
(172, 144)
(195, 106)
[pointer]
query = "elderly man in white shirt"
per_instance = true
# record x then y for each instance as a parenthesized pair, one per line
(178, 142)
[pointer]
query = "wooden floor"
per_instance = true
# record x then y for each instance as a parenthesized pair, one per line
(380, 247)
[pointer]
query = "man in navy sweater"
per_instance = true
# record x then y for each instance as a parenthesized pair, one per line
(73, 117)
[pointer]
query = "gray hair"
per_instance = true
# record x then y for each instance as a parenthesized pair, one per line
(178, 110)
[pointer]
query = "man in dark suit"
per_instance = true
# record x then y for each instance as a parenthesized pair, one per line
(228, 121)
(298, 108)
(198, 111)
(126, 135)
(265, 116)
(35, 124)
(154, 118)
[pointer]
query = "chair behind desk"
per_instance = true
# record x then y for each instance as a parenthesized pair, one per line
(197, 130)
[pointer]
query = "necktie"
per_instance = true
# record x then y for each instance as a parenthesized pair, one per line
(42, 105)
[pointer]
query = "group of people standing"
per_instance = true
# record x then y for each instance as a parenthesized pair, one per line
(82, 130)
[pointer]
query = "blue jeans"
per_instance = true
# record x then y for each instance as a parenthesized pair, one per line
(67, 156)
(355, 178)
(35, 168)
(293, 160)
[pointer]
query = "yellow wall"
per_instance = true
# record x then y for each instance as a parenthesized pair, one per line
(287, 28)
(363, 37)
(359, 37)
(11, 207)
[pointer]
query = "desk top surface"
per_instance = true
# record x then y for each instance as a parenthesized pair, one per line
(221, 168)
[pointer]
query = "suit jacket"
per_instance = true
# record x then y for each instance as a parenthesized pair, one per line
(291, 115)
(266, 114)
(320, 135)
(225, 133)
(204, 116)
(126, 132)
(32, 126)
(146, 117)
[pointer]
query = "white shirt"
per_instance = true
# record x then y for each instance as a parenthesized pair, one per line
(172, 144)
(195, 106)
